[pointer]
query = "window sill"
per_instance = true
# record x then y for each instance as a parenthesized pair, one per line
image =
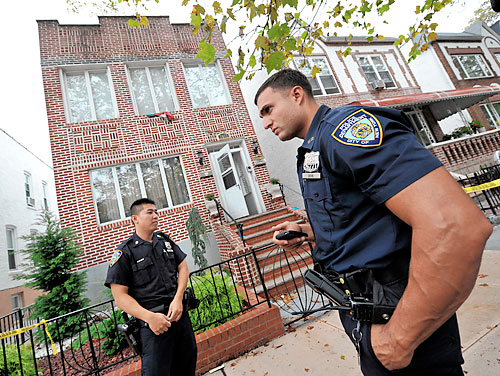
(128, 222)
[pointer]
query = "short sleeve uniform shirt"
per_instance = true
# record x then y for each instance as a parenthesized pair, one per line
(148, 269)
(352, 160)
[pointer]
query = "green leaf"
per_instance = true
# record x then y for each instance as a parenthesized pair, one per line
(235, 2)
(195, 20)
(315, 71)
(262, 42)
(229, 54)
(290, 44)
(292, 3)
(133, 23)
(206, 52)
(274, 61)
(252, 62)
(238, 76)
(217, 7)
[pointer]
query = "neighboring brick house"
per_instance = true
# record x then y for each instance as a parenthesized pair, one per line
(100, 82)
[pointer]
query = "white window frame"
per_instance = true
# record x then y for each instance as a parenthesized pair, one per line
(45, 196)
(150, 83)
(86, 70)
(12, 231)
(369, 57)
(318, 81)
(480, 64)
(28, 185)
(19, 297)
(199, 64)
(116, 183)
(493, 114)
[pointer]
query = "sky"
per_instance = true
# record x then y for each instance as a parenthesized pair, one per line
(22, 102)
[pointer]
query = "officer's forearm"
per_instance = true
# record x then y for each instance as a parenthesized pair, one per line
(128, 304)
(442, 275)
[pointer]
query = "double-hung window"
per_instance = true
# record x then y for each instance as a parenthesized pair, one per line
(374, 68)
(492, 113)
(152, 89)
(28, 189)
(206, 85)
(471, 66)
(116, 188)
(324, 83)
(89, 96)
(11, 247)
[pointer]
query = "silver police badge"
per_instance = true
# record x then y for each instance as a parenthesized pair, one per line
(311, 166)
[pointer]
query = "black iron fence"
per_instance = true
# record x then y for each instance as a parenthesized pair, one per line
(94, 345)
(16, 320)
(488, 198)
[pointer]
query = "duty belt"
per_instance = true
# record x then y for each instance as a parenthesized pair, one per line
(353, 291)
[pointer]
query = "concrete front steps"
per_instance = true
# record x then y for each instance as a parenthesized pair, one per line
(281, 272)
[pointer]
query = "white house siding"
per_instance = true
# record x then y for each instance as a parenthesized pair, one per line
(15, 213)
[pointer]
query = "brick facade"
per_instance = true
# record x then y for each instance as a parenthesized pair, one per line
(80, 147)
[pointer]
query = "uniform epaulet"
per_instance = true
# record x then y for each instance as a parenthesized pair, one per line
(125, 242)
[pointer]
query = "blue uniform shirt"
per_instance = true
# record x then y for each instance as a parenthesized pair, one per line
(353, 159)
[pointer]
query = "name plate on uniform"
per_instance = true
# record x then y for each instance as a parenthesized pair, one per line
(311, 175)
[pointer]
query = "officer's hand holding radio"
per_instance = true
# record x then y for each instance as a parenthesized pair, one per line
(292, 234)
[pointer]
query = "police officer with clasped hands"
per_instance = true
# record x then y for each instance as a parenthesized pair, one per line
(390, 224)
(148, 274)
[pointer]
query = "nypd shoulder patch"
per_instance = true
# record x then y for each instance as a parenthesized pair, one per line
(116, 256)
(359, 129)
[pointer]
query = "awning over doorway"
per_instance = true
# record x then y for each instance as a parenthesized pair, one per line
(441, 103)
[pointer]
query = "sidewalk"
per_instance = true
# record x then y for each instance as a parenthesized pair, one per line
(320, 346)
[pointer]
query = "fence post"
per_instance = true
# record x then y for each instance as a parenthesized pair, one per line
(20, 320)
(266, 293)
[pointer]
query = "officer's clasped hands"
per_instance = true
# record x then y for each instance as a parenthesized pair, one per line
(159, 323)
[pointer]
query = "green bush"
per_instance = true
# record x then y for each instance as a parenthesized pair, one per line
(218, 300)
(13, 367)
(113, 342)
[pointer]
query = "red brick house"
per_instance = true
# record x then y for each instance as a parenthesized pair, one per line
(101, 81)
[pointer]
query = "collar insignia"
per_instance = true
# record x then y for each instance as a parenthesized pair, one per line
(359, 129)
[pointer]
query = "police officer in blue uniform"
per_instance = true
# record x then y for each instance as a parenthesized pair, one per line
(148, 274)
(385, 213)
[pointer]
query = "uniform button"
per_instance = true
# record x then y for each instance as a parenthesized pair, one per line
(316, 194)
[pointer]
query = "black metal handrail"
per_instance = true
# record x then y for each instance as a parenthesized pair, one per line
(239, 225)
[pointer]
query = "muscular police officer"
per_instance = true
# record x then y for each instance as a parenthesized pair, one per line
(146, 271)
(375, 197)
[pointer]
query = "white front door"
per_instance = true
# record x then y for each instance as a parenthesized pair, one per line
(231, 192)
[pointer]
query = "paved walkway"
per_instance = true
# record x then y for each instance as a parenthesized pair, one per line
(320, 346)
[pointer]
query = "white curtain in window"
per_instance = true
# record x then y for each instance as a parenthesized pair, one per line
(161, 89)
(101, 94)
(153, 183)
(142, 92)
(78, 97)
(215, 87)
(196, 87)
(129, 185)
(105, 195)
(175, 180)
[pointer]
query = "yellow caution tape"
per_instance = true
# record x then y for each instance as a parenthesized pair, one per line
(15, 332)
(483, 187)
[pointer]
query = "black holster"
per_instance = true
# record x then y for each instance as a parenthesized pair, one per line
(131, 330)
